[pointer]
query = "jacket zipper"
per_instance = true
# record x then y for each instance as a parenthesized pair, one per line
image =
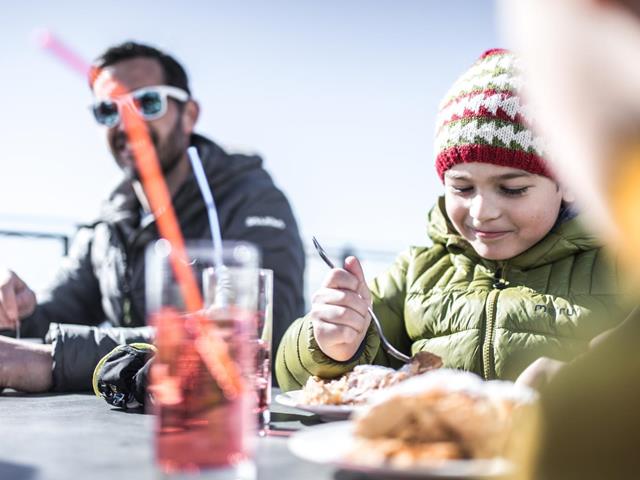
(129, 309)
(126, 290)
(488, 360)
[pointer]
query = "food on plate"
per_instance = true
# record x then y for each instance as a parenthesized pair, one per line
(352, 388)
(436, 417)
(355, 387)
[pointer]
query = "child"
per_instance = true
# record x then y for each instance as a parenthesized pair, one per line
(511, 275)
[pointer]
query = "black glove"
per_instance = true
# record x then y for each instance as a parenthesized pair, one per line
(121, 376)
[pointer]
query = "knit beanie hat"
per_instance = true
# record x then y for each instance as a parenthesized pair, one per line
(483, 119)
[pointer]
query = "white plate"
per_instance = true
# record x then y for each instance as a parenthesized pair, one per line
(328, 443)
(326, 412)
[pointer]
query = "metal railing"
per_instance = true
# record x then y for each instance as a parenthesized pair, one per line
(61, 237)
(374, 261)
(338, 252)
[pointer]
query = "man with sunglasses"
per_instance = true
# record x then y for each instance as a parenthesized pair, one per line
(102, 280)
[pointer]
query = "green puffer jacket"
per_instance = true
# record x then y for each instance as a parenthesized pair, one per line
(490, 317)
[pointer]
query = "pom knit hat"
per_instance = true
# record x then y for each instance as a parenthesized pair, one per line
(483, 119)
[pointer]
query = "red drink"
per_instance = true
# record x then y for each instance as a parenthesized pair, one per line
(201, 423)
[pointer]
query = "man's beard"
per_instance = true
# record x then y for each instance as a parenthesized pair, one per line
(169, 155)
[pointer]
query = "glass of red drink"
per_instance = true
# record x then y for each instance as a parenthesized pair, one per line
(203, 377)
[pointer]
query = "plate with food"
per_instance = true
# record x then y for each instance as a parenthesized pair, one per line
(337, 399)
(296, 399)
(444, 424)
(327, 443)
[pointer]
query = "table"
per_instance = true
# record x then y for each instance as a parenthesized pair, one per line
(78, 436)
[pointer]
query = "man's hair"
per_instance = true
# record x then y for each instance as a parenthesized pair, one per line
(174, 74)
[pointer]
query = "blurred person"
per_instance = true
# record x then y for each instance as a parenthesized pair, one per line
(512, 275)
(102, 279)
(583, 80)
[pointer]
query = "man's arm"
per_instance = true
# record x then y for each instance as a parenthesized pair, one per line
(75, 294)
(25, 366)
(77, 349)
(65, 365)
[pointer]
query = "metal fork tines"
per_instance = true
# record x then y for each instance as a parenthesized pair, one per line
(390, 349)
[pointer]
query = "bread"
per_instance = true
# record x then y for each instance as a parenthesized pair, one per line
(437, 416)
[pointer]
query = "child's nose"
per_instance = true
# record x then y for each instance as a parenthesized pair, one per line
(483, 208)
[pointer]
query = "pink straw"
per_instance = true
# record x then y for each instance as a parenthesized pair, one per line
(48, 41)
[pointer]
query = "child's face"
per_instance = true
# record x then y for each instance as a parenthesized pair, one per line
(500, 211)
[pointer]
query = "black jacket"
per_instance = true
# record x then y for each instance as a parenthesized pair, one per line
(102, 279)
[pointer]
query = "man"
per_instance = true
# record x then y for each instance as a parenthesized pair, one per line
(102, 280)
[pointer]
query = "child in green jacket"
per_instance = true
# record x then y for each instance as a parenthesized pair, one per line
(511, 276)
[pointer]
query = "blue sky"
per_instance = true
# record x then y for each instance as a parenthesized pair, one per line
(338, 96)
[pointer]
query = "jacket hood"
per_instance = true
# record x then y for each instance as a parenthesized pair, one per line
(565, 239)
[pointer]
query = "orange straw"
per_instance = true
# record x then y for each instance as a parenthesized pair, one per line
(212, 348)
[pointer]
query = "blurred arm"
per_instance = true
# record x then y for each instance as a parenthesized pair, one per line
(75, 294)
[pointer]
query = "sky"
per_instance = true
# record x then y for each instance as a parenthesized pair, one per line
(339, 97)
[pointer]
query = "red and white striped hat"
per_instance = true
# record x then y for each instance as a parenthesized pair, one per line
(483, 119)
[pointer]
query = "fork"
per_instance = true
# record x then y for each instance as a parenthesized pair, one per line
(390, 349)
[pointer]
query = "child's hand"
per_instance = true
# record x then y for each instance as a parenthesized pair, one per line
(339, 311)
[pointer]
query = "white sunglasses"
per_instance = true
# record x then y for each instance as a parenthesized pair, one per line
(148, 102)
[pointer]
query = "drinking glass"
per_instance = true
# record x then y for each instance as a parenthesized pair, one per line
(264, 333)
(203, 376)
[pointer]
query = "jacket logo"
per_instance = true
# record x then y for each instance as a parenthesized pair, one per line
(561, 311)
(267, 221)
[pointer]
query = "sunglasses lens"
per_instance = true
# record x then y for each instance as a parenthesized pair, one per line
(150, 104)
(106, 113)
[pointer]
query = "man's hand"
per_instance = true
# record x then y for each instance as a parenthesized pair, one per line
(25, 366)
(539, 373)
(339, 311)
(17, 300)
